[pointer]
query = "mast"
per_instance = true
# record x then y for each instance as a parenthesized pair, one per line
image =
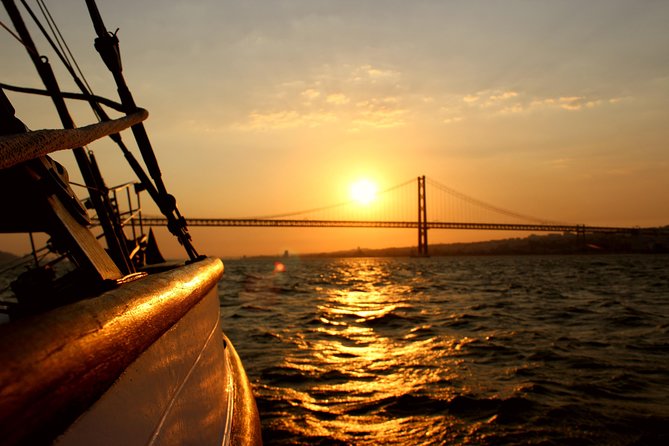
(108, 46)
(100, 112)
(113, 234)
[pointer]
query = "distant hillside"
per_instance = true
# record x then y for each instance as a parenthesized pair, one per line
(531, 245)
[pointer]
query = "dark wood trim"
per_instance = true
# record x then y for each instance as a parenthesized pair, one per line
(56, 364)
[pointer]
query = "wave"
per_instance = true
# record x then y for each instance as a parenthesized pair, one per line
(289, 374)
(456, 351)
(280, 374)
(391, 319)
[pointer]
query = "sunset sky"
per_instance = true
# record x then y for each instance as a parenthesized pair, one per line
(557, 109)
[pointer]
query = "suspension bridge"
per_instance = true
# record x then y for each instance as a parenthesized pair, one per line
(421, 204)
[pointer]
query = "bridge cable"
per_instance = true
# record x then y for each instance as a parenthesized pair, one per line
(488, 206)
(324, 208)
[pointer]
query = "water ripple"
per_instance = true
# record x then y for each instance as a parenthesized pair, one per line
(489, 350)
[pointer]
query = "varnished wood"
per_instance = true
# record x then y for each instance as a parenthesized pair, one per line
(84, 242)
(246, 421)
(178, 391)
(55, 365)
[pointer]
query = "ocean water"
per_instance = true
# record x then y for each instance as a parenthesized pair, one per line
(455, 350)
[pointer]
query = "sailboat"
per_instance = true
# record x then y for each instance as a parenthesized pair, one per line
(105, 342)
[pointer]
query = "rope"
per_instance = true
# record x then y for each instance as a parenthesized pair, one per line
(15, 149)
(74, 183)
(64, 51)
(8, 29)
(78, 96)
(50, 23)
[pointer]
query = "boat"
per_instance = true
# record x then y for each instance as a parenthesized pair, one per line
(105, 342)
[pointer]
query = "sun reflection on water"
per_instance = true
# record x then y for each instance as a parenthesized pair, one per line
(368, 376)
(452, 351)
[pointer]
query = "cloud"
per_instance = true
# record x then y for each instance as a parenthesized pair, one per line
(310, 94)
(509, 102)
(452, 120)
(280, 119)
(379, 113)
(367, 96)
(374, 74)
(571, 103)
(337, 99)
(379, 119)
(354, 97)
(488, 98)
(503, 96)
(514, 102)
(512, 109)
(494, 99)
(285, 119)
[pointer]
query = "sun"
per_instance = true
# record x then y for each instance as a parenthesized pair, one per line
(363, 191)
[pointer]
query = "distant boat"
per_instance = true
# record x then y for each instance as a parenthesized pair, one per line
(106, 343)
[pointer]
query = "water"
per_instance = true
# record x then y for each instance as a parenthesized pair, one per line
(481, 350)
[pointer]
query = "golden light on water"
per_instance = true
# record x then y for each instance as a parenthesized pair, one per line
(366, 372)
(371, 351)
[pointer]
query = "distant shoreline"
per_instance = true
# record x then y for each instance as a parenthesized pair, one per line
(551, 244)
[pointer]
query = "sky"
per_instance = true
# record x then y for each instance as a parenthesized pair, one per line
(551, 108)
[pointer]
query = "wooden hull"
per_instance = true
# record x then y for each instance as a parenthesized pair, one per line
(144, 364)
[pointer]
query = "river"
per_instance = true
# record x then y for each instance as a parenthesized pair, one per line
(454, 350)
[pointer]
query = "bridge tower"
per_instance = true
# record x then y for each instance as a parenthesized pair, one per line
(422, 218)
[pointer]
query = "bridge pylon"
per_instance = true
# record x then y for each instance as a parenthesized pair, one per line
(422, 218)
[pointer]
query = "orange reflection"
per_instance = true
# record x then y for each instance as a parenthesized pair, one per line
(367, 357)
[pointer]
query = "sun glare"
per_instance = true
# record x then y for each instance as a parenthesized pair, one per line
(363, 191)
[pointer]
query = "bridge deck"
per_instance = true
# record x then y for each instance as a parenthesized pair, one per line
(307, 223)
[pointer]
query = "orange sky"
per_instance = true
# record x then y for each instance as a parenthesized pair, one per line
(553, 109)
